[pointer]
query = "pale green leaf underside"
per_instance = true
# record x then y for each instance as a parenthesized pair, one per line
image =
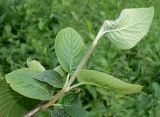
(131, 26)
(107, 81)
(12, 103)
(23, 82)
(69, 48)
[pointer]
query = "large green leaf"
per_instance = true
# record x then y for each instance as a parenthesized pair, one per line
(107, 81)
(13, 104)
(131, 26)
(69, 48)
(51, 77)
(23, 82)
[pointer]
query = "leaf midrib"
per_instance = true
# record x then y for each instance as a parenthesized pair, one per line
(117, 30)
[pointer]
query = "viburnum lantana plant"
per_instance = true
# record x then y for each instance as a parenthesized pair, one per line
(54, 88)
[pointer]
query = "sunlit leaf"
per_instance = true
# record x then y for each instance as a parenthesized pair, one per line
(131, 26)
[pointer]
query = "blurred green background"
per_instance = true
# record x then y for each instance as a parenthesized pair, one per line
(28, 29)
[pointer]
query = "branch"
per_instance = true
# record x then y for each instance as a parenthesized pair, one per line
(68, 84)
(40, 107)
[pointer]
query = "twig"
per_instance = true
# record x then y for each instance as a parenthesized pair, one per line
(68, 84)
(46, 105)
(35, 110)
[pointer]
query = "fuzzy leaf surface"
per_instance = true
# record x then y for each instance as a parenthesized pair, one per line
(107, 81)
(131, 26)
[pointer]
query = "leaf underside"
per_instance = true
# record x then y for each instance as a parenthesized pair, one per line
(69, 48)
(107, 81)
(131, 26)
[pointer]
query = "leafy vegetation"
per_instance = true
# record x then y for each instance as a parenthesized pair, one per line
(28, 29)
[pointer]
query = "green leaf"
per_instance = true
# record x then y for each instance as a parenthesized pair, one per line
(107, 81)
(71, 104)
(131, 26)
(23, 82)
(59, 113)
(157, 112)
(51, 77)
(70, 98)
(35, 65)
(156, 88)
(103, 91)
(60, 70)
(69, 48)
(45, 113)
(1, 77)
(12, 103)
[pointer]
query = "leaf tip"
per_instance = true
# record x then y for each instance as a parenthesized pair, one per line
(137, 89)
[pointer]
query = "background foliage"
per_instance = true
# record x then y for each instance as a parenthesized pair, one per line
(28, 29)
